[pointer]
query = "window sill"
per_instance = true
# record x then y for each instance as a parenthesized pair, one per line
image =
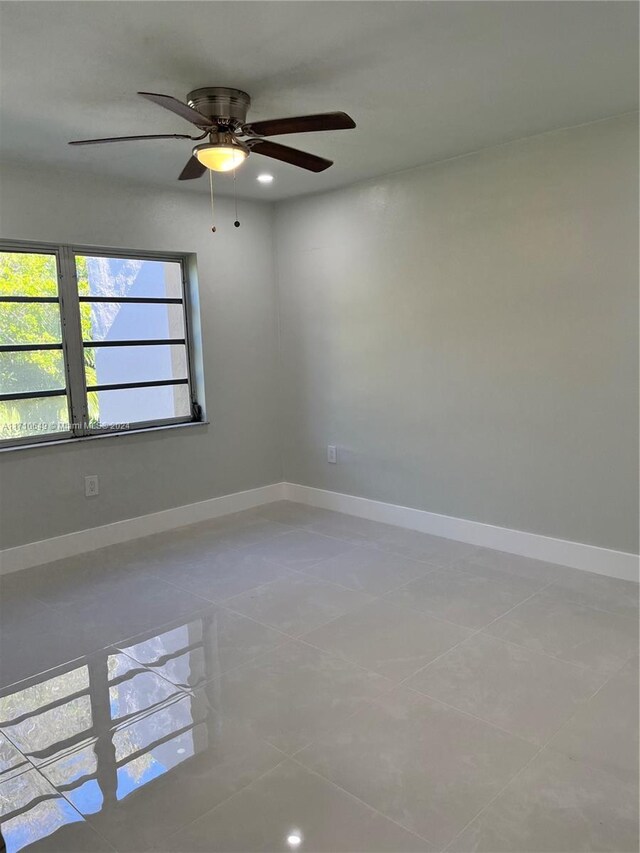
(36, 445)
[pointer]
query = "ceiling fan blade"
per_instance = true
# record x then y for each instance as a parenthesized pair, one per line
(180, 109)
(300, 124)
(302, 159)
(130, 138)
(193, 169)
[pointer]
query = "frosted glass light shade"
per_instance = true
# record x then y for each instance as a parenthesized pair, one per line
(220, 158)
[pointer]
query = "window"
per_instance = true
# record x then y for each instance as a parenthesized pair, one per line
(92, 342)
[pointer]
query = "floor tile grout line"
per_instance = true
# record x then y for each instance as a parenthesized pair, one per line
(31, 765)
(373, 542)
(574, 603)
(308, 574)
(423, 695)
(220, 601)
(548, 654)
(149, 574)
(81, 817)
(231, 795)
(483, 630)
(211, 605)
(270, 561)
(458, 564)
(257, 544)
(363, 802)
(286, 757)
(432, 567)
(543, 746)
(353, 589)
(403, 606)
(340, 656)
(424, 612)
(116, 644)
(582, 704)
(306, 530)
(300, 639)
(301, 571)
(430, 561)
(580, 666)
(286, 638)
(380, 598)
(112, 644)
(446, 569)
(4, 688)
(305, 576)
(476, 570)
(465, 639)
(185, 691)
(510, 642)
(60, 608)
(487, 805)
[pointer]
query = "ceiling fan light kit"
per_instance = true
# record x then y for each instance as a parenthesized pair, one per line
(221, 156)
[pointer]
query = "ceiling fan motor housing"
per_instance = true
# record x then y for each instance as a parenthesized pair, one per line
(228, 107)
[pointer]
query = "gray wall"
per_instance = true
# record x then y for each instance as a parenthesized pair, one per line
(467, 334)
(42, 490)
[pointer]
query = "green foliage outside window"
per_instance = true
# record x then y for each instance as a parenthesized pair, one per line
(32, 274)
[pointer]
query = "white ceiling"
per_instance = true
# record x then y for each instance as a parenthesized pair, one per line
(424, 81)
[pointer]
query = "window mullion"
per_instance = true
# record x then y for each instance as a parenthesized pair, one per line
(72, 342)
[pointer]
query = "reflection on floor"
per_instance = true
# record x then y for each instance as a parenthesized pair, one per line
(294, 679)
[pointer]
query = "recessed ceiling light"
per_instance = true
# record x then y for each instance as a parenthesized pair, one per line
(265, 179)
(294, 840)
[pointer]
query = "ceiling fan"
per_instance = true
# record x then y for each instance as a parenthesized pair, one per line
(220, 113)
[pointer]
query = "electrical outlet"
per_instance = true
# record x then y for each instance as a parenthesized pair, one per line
(332, 454)
(91, 486)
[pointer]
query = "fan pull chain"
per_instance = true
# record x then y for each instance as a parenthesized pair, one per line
(235, 198)
(213, 227)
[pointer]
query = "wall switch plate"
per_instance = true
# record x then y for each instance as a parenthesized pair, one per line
(332, 454)
(91, 486)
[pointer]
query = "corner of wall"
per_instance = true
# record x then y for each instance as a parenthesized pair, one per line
(276, 289)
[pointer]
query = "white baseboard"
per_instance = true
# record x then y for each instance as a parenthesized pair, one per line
(59, 547)
(590, 558)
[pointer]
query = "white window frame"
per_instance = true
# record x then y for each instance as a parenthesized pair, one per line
(73, 346)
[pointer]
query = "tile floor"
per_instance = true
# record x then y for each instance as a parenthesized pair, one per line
(293, 679)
